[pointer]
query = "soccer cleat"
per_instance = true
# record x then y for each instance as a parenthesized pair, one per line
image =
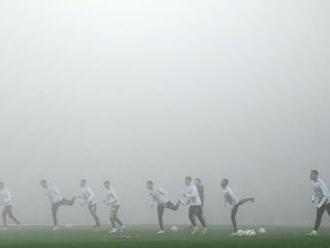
(114, 230)
(4, 228)
(98, 229)
(122, 228)
(234, 234)
(161, 232)
(56, 228)
(204, 231)
(194, 230)
(19, 227)
(312, 234)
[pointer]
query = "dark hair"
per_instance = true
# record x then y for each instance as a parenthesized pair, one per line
(188, 178)
(225, 180)
(43, 181)
(198, 179)
(83, 180)
(151, 182)
(315, 172)
(106, 182)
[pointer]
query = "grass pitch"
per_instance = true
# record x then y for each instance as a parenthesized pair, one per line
(134, 237)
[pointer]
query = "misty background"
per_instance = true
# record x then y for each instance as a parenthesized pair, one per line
(135, 90)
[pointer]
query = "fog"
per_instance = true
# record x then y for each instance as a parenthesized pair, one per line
(137, 90)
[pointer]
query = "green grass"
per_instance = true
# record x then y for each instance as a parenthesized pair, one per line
(84, 237)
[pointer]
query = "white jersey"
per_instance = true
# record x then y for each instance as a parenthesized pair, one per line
(230, 196)
(88, 196)
(111, 197)
(53, 194)
(158, 195)
(191, 193)
(321, 193)
(6, 197)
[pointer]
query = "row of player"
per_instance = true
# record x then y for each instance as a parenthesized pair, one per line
(193, 196)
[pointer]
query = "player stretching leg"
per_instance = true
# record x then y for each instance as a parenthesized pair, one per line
(87, 197)
(320, 199)
(232, 199)
(195, 208)
(6, 199)
(112, 201)
(56, 200)
(160, 197)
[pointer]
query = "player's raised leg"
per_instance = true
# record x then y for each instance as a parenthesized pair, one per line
(56, 200)
(245, 200)
(172, 206)
(56, 206)
(234, 201)
(160, 198)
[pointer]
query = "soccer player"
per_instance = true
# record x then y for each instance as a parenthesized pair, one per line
(160, 197)
(56, 200)
(112, 201)
(200, 189)
(6, 199)
(87, 197)
(320, 199)
(195, 208)
(234, 201)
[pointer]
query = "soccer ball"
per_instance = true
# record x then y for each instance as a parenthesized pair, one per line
(248, 233)
(252, 233)
(174, 229)
(261, 230)
(240, 233)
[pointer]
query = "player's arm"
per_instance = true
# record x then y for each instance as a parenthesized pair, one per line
(153, 200)
(313, 199)
(203, 193)
(322, 202)
(189, 193)
(225, 202)
(324, 196)
(114, 198)
(91, 195)
(107, 199)
(81, 198)
(193, 194)
(8, 198)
